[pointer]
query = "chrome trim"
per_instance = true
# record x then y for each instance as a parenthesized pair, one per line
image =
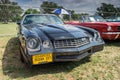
(111, 33)
(71, 43)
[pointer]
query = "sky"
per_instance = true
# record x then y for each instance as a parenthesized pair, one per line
(79, 6)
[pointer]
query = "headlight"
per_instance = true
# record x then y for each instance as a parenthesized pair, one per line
(109, 28)
(33, 44)
(46, 44)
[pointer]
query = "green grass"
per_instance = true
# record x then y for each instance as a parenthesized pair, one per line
(104, 65)
(8, 29)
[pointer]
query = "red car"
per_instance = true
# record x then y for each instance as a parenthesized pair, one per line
(108, 30)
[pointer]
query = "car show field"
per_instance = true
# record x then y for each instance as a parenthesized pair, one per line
(104, 65)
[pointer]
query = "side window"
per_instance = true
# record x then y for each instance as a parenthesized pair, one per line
(24, 22)
(81, 19)
(92, 19)
(28, 20)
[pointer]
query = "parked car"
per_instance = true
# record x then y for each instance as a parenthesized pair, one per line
(108, 30)
(44, 38)
(113, 19)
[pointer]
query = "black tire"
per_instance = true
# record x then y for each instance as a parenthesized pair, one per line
(21, 56)
(27, 64)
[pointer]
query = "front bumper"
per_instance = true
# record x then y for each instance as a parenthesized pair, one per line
(72, 54)
(76, 56)
(111, 35)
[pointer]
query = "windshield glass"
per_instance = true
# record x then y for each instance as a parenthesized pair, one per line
(92, 19)
(113, 19)
(51, 19)
(97, 19)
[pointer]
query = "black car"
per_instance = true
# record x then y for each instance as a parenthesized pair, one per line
(44, 38)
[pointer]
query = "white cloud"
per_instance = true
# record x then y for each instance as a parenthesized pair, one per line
(89, 6)
(80, 6)
(13, 0)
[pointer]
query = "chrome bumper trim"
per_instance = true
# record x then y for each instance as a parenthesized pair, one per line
(111, 33)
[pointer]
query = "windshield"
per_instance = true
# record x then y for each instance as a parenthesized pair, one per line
(113, 19)
(51, 19)
(97, 19)
(92, 19)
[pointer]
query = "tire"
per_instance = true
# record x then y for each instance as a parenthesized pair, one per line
(27, 64)
(21, 56)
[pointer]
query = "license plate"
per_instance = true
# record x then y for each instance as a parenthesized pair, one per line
(42, 58)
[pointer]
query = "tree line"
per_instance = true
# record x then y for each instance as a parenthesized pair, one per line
(107, 10)
(11, 11)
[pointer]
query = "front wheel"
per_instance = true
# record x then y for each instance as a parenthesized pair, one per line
(21, 56)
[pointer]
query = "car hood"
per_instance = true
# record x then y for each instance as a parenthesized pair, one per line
(95, 23)
(109, 23)
(53, 31)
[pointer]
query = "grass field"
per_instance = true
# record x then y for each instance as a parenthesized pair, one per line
(8, 29)
(104, 65)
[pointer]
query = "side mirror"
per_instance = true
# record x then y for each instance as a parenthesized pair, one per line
(18, 22)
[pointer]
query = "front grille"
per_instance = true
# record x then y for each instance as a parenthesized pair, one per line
(118, 28)
(71, 43)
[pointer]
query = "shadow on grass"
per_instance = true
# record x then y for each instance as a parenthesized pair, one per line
(14, 68)
(112, 43)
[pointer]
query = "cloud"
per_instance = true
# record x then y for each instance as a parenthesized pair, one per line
(90, 6)
(26, 4)
(79, 6)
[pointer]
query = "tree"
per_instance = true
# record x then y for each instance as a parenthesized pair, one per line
(48, 7)
(9, 11)
(106, 10)
(33, 11)
(74, 16)
(16, 11)
(4, 1)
